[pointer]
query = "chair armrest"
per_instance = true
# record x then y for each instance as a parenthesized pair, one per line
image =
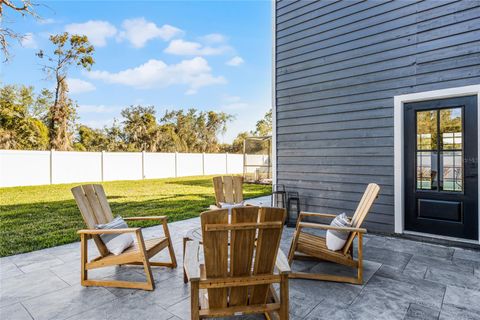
(282, 263)
(317, 214)
(329, 227)
(108, 231)
(190, 261)
(320, 215)
(145, 218)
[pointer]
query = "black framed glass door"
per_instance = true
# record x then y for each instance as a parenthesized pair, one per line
(441, 186)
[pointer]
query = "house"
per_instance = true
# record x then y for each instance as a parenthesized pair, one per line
(385, 92)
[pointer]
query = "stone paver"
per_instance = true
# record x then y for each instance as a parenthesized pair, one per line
(418, 312)
(68, 302)
(9, 269)
(403, 279)
(463, 298)
(15, 312)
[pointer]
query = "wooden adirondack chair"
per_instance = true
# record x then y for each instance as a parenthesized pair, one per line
(228, 189)
(94, 207)
(238, 274)
(308, 246)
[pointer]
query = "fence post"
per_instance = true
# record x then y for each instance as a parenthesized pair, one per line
(226, 162)
(51, 165)
(102, 164)
(143, 165)
(176, 164)
(203, 163)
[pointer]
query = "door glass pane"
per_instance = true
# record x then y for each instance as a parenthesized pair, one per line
(427, 173)
(451, 128)
(451, 164)
(427, 130)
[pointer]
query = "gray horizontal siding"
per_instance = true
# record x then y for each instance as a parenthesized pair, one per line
(338, 66)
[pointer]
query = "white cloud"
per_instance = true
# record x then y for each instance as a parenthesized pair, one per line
(194, 73)
(235, 61)
(97, 31)
(28, 41)
(93, 108)
(235, 106)
(231, 99)
(139, 31)
(46, 21)
(79, 86)
(233, 103)
(213, 38)
(189, 48)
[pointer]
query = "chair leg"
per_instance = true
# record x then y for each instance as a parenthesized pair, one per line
(172, 254)
(360, 259)
(118, 284)
(146, 263)
(284, 312)
(148, 274)
(194, 300)
(166, 231)
(83, 259)
(185, 278)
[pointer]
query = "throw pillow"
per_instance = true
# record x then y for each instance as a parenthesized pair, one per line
(116, 243)
(336, 239)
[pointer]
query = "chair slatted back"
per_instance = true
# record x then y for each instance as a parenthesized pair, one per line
(93, 205)
(245, 258)
(268, 244)
(228, 189)
(363, 208)
(242, 244)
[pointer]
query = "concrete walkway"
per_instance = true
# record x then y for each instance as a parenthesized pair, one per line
(403, 280)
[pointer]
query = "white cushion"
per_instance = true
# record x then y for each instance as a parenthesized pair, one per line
(116, 243)
(336, 239)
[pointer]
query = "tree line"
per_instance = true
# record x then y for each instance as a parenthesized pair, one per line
(26, 118)
(48, 120)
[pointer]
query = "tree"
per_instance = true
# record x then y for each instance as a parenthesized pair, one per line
(216, 124)
(91, 139)
(263, 127)
(115, 138)
(237, 144)
(195, 131)
(69, 50)
(140, 127)
(18, 128)
(24, 8)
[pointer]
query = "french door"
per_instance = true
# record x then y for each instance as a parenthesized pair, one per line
(441, 159)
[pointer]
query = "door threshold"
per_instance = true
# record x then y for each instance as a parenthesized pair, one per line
(443, 238)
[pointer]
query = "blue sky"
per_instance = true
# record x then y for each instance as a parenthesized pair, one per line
(209, 55)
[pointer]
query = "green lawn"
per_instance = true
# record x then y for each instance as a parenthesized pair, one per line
(33, 218)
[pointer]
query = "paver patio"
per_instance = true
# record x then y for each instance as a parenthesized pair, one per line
(404, 279)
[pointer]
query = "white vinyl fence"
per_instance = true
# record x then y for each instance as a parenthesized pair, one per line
(28, 168)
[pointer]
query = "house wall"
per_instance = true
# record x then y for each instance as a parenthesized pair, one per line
(338, 66)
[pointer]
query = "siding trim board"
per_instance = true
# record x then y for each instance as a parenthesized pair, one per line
(274, 90)
(337, 67)
(399, 101)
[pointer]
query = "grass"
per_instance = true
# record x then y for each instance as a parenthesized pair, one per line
(37, 217)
